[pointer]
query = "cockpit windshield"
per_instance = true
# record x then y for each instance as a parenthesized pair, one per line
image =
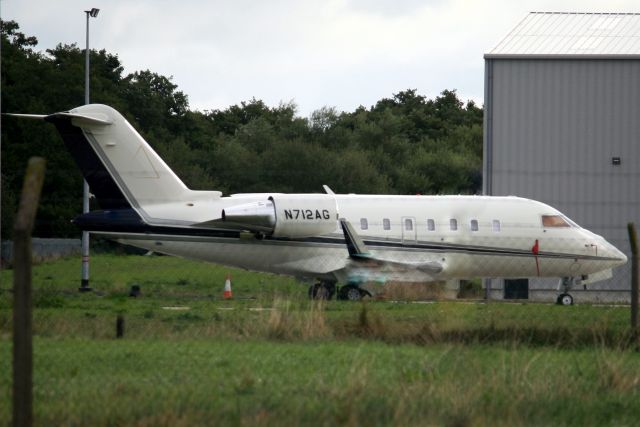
(555, 221)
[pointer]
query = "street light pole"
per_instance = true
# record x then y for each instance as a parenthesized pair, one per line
(84, 283)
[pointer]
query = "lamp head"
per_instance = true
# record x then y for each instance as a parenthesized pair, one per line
(93, 12)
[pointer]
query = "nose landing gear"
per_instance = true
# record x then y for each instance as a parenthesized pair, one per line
(566, 285)
(564, 299)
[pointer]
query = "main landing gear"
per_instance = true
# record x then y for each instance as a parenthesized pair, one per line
(352, 293)
(322, 290)
(565, 286)
(326, 290)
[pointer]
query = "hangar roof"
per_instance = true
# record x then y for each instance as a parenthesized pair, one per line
(572, 34)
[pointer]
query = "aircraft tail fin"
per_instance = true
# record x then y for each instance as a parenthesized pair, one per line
(120, 166)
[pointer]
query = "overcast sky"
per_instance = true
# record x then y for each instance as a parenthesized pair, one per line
(340, 53)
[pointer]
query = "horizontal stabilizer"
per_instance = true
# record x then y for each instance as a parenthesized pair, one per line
(79, 119)
(122, 169)
(83, 119)
(26, 116)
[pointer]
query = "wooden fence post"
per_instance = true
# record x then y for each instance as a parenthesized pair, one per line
(633, 239)
(22, 344)
(120, 326)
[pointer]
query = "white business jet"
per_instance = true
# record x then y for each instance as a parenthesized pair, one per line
(352, 239)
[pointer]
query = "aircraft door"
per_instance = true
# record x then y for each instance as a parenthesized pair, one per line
(409, 232)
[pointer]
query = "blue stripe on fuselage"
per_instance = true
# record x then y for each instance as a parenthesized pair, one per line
(128, 221)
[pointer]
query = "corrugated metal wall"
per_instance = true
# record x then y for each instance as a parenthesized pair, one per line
(556, 124)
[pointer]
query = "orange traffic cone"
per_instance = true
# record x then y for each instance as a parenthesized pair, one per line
(227, 288)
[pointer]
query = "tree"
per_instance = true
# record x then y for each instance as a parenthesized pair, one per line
(153, 99)
(404, 144)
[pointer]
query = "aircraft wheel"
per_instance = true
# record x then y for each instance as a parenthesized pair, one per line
(316, 291)
(322, 291)
(330, 288)
(350, 293)
(564, 299)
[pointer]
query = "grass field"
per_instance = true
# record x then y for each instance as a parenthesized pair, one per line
(271, 357)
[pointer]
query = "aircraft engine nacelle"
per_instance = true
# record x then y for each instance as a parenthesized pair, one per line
(304, 215)
(257, 216)
(287, 215)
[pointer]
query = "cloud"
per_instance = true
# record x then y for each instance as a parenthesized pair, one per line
(339, 53)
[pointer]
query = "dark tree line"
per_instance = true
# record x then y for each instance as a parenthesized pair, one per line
(405, 144)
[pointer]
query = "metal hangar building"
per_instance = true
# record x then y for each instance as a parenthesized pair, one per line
(562, 126)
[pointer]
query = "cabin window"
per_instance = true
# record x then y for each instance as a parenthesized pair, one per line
(408, 224)
(474, 225)
(554, 221)
(386, 224)
(496, 225)
(453, 224)
(431, 225)
(364, 224)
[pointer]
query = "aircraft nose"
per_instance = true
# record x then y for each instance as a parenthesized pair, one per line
(617, 254)
(622, 256)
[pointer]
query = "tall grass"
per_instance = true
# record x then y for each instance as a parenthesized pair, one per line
(285, 323)
(272, 357)
(355, 382)
(158, 276)
(293, 319)
(412, 291)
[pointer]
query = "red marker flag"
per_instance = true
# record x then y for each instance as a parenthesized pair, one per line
(536, 248)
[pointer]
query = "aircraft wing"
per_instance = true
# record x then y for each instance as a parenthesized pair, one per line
(362, 262)
(359, 252)
(356, 247)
